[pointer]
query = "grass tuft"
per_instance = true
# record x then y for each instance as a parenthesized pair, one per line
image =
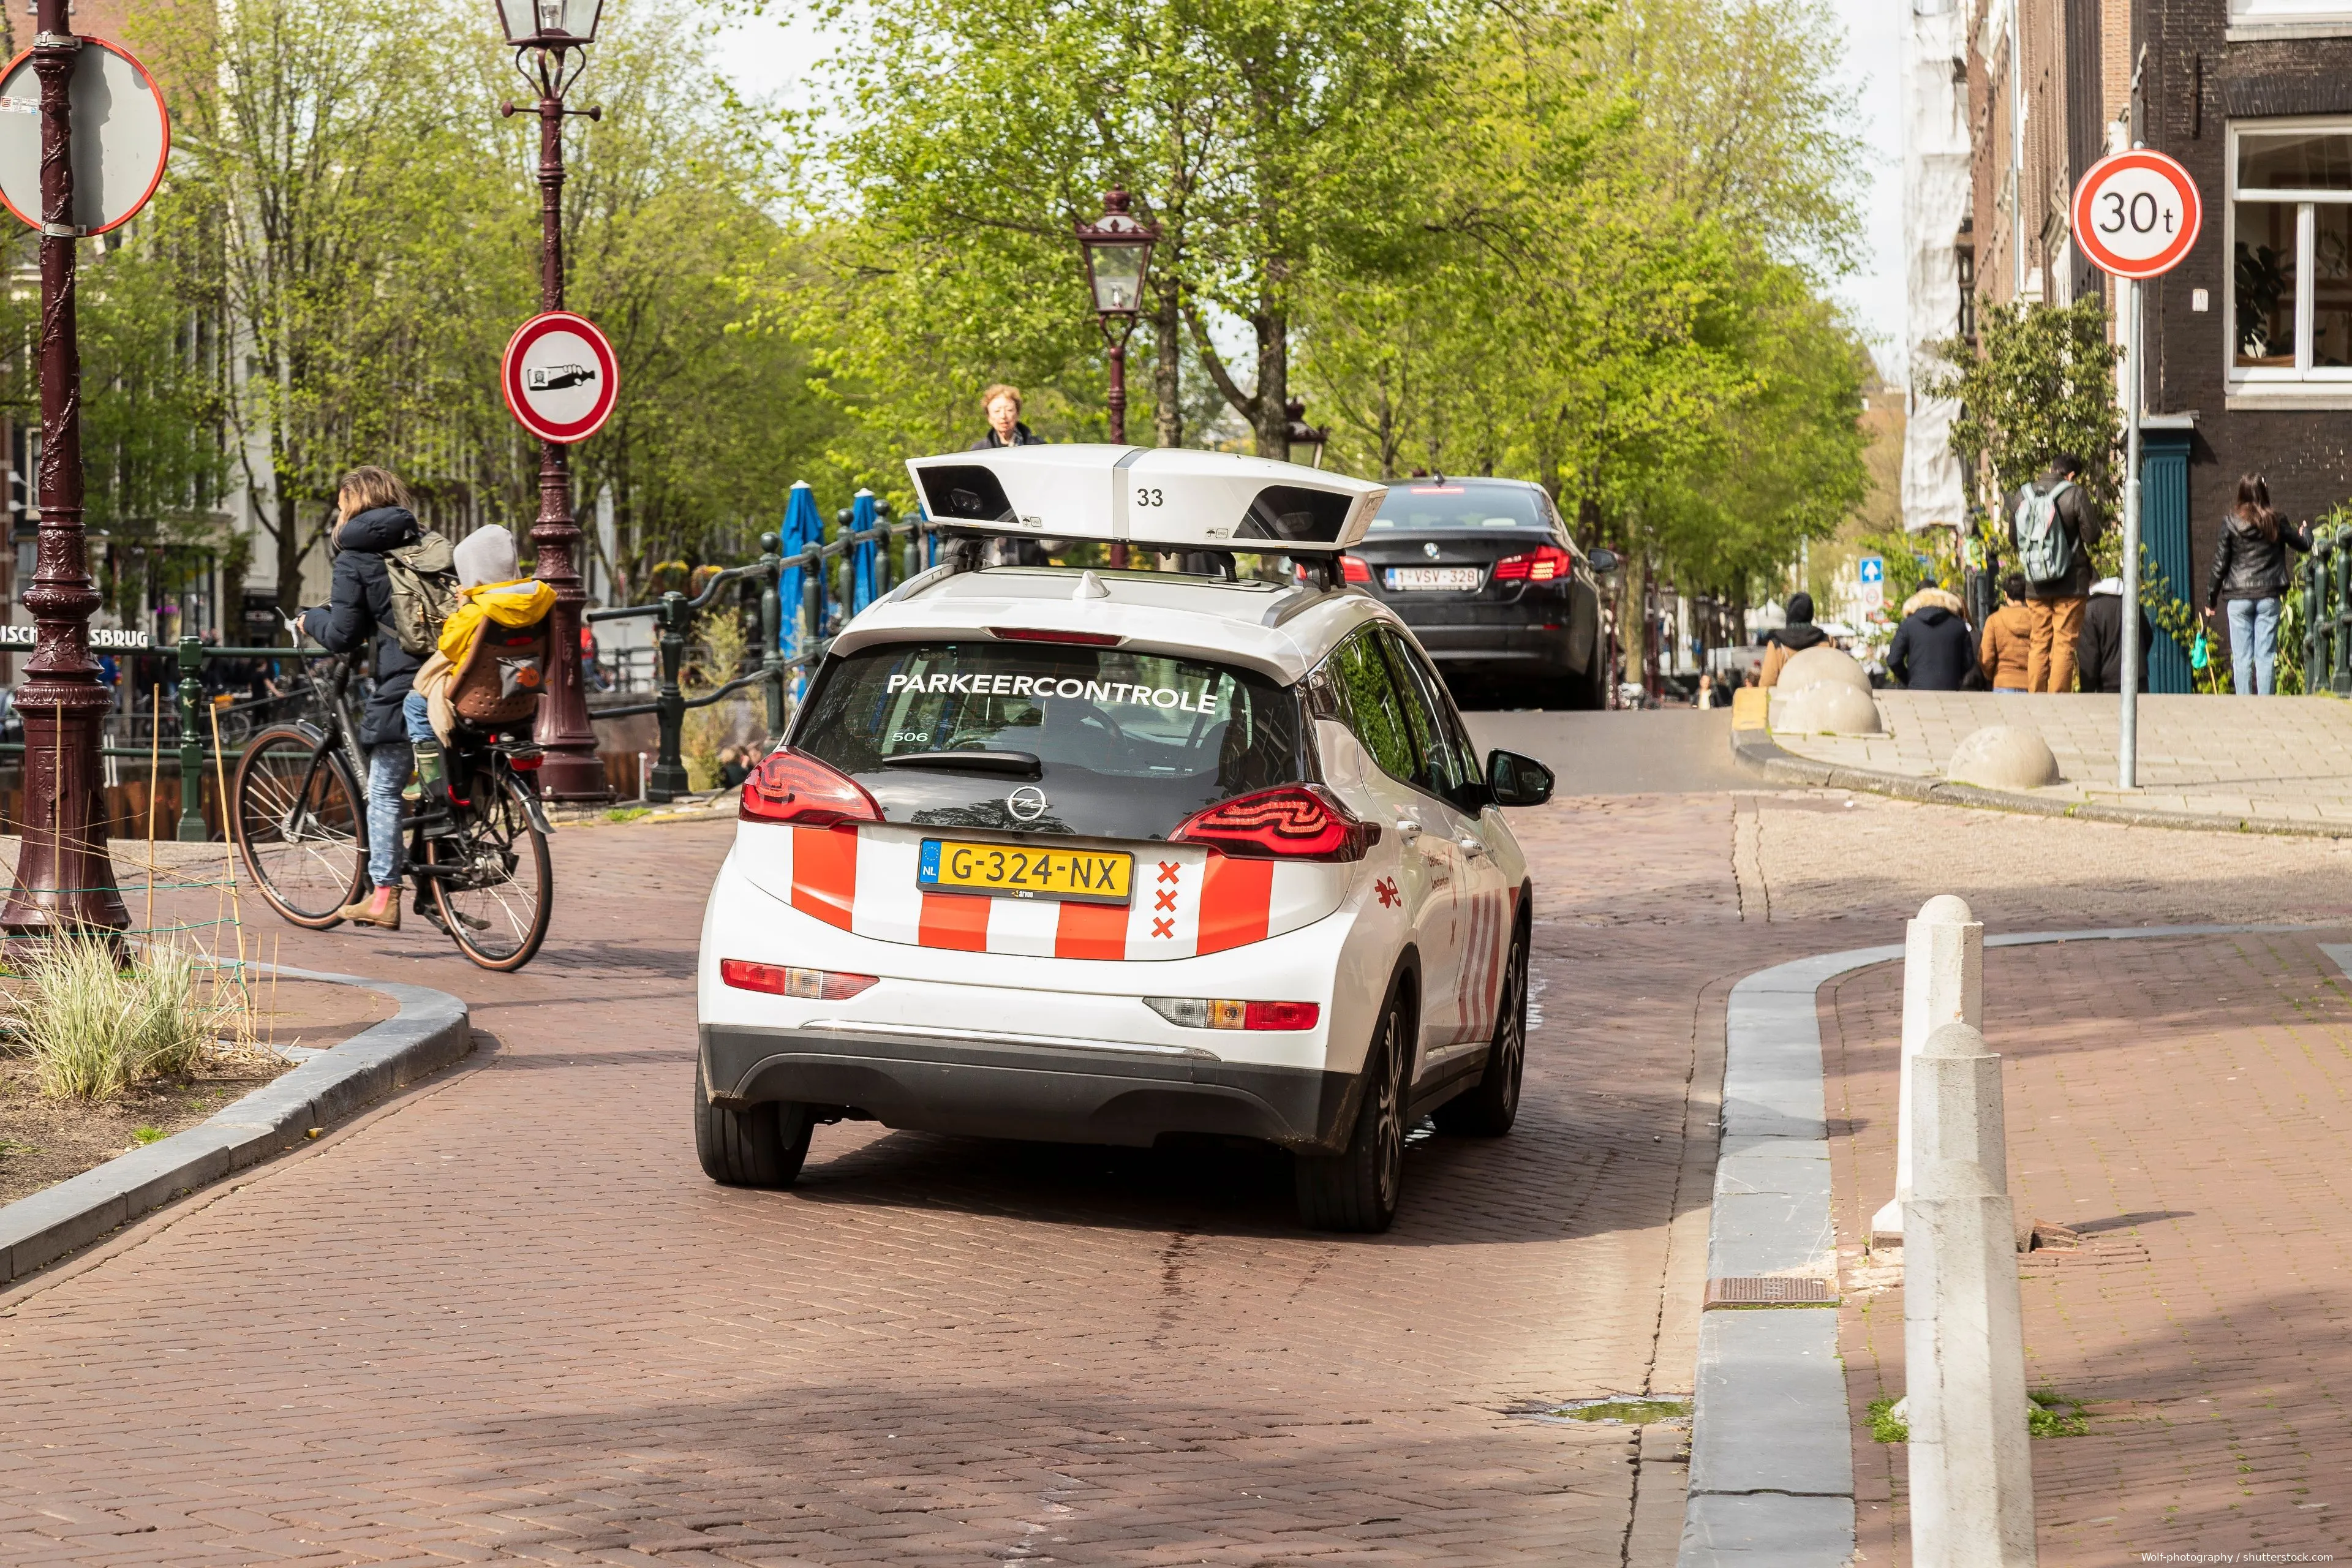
(1885, 1426)
(2051, 1414)
(627, 813)
(95, 1024)
(144, 1135)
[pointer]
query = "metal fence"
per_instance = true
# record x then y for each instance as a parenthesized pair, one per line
(2324, 579)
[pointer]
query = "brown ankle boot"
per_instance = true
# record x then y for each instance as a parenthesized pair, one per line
(377, 906)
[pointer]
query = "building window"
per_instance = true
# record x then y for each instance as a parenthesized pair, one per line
(1968, 259)
(2290, 217)
(2282, 11)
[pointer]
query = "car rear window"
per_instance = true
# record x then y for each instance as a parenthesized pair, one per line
(1420, 506)
(1128, 745)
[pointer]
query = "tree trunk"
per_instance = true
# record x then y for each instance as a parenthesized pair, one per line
(1269, 410)
(287, 531)
(1166, 385)
(1633, 614)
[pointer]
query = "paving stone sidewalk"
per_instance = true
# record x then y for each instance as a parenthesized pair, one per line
(2281, 758)
(2183, 1105)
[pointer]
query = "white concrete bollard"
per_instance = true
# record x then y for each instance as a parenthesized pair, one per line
(1943, 982)
(1971, 1470)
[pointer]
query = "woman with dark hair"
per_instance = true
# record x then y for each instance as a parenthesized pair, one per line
(2249, 570)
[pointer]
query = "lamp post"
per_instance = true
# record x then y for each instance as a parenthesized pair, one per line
(1296, 432)
(1117, 250)
(65, 879)
(551, 39)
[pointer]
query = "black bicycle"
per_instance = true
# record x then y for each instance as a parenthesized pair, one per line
(299, 814)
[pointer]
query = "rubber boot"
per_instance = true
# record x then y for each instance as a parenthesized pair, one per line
(433, 785)
(376, 907)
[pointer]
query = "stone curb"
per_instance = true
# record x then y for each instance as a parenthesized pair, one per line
(428, 1033)
(1772, 1477)
(1757, 751)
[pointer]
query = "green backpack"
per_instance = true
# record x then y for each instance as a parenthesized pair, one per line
(424, 590)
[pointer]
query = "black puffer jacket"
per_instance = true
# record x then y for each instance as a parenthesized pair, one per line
(360, 607)
(2246, 566)
(1933, 650)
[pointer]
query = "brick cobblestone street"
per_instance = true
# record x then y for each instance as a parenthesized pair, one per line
(506, 1318)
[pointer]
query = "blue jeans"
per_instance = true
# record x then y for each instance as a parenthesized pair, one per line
(388, 768)
(2254, 646)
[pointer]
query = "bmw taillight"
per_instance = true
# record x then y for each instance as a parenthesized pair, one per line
(1546, 564)
(795, 787)
(1296, 822)
(1354, 569)
(777, 980)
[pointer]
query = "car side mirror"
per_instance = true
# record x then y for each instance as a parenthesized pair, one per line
(1515, 779)
(1602, 561)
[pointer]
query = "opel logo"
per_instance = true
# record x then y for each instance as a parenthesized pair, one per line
(1027, 803)
(1430, 550)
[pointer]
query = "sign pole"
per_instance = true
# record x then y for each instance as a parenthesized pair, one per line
(572, 770)
(2127, 721)
(64, 880)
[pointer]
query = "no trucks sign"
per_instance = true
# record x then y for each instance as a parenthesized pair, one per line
(560, 376)
(2137, 213)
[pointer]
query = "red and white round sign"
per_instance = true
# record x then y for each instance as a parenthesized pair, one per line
(2137, 213)
(560, 378)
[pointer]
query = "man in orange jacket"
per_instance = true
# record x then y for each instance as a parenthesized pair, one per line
(2008, 641)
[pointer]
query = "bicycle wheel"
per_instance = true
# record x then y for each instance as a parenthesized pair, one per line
(299, 826)
(492, 879)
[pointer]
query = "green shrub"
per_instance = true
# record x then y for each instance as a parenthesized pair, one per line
(95, 1024)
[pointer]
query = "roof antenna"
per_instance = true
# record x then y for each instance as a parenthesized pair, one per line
(1090, 587)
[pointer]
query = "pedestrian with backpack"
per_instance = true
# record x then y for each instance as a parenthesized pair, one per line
(2052, 523)
(394, 582)
(2252, 574)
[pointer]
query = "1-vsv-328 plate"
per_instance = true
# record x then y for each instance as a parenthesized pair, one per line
(1071, 876)
(1437, 579)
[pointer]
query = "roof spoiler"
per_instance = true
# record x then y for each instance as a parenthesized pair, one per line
(1163, 497)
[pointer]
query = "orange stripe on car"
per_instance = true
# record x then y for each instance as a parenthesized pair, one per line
(1234, 898)
(825, 873)
(957, 920)
(1091, 930)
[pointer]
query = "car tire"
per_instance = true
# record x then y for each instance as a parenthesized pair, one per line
(1487, 1108)
(1593, 697)
(1358, 1189)
(761, 1146)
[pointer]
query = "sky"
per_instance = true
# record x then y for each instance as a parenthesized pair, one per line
(1874, 58)
(765, 56)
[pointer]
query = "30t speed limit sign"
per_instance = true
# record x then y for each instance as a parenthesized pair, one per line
(2136, 214)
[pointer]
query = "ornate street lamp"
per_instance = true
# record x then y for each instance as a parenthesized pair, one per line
(1119, 254)
(65, 879)
(551, 39)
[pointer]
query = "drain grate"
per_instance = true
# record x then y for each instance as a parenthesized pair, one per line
(1771, 1290)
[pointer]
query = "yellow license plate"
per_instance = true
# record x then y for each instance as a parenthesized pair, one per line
(1084, 876)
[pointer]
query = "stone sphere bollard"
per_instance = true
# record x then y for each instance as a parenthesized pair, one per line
(1815, 666)
(1828, 707)
(2001, 756)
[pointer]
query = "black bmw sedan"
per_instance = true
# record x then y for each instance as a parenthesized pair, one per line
(1486, 574)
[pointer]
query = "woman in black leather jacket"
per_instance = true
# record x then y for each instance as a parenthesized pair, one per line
(2251, 573)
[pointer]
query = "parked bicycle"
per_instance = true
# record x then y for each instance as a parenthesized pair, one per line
(300, 820)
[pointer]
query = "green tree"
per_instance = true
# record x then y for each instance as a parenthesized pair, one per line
(2038, 381)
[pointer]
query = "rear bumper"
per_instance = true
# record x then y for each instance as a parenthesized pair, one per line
(1074, 1095)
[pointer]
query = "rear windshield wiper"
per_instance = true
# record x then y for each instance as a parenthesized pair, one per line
(977, 762)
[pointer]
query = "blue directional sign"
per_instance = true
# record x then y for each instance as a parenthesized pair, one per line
(1874, 569)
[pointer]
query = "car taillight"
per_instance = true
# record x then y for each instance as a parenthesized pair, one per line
(1044, 633)
(1355, 570)
(1296, 822)
(1545, 564)
(792, 786)
(810, 985)
(1218, 1013)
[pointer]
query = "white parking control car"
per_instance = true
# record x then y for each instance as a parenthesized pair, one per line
(1106, 855)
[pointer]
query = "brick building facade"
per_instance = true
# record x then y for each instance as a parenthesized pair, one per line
(2249, 353)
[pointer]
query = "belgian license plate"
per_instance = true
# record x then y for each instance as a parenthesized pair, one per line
(1433, 579)
(1072, 876)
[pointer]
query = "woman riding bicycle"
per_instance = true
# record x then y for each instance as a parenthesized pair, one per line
(372, 517)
